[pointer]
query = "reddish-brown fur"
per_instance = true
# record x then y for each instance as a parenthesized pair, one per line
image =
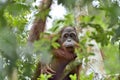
(61, 57)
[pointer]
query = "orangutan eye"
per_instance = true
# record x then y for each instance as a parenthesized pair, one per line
(72, 35)
(66, 35)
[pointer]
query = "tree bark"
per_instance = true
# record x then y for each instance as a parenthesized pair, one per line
(40, 20)
(79, 10)
(38, 27)
(98, 66)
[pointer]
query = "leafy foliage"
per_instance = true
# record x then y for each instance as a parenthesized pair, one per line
(15, 54)
(44, 77)
(68, 3)
(112, 58)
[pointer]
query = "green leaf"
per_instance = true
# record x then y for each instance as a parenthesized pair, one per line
(16, 9)
(73, 77)
(44, 77)
(55, 45)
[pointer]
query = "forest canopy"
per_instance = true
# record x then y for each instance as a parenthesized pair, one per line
(18, 59)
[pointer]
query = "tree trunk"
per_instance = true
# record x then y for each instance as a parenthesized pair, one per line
(38, 27)
(79, 10)
(40, 20)
(95, 62)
